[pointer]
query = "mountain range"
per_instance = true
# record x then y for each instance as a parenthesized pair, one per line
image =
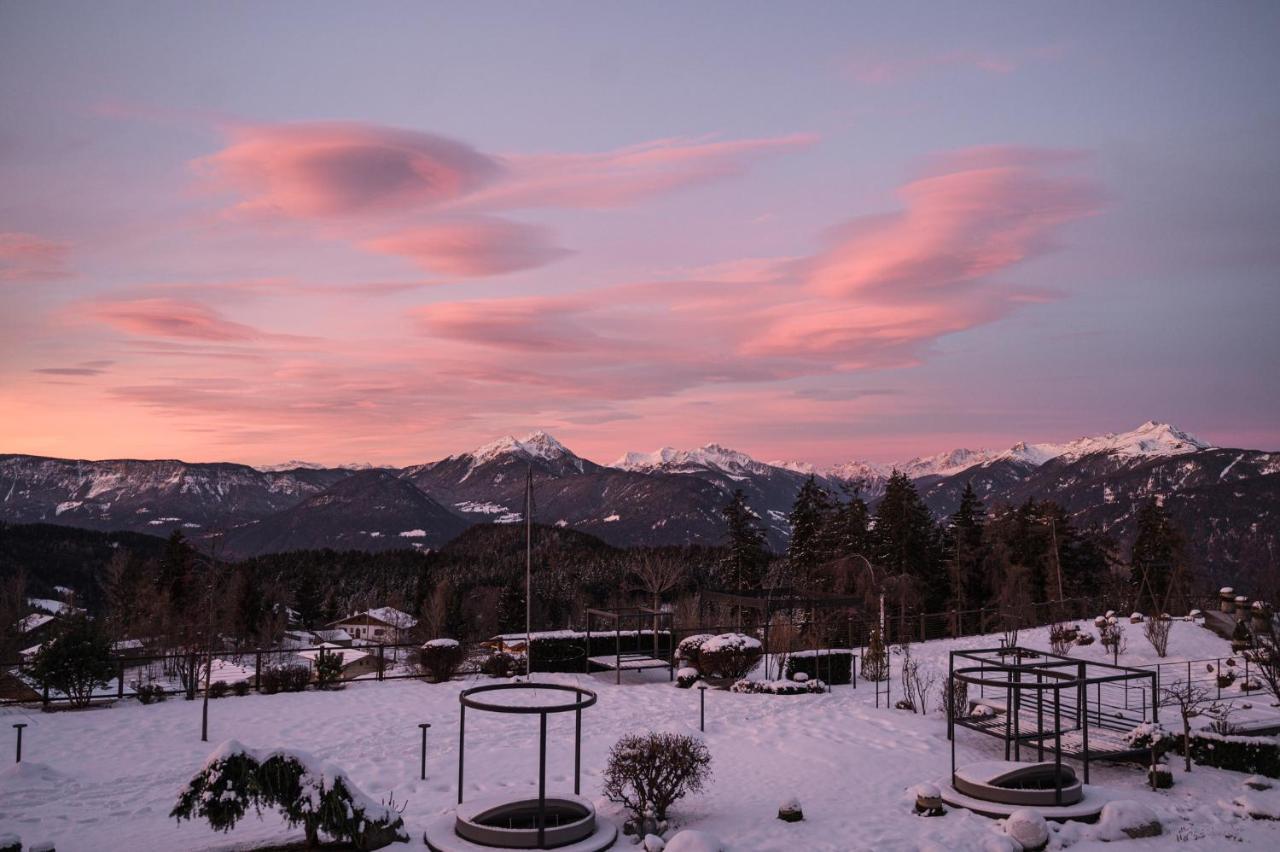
(1228, 500)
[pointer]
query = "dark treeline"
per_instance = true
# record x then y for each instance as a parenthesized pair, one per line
(182, 594)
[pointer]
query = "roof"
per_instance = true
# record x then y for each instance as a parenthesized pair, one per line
(387, 615)
(33, 621)
(349, 655)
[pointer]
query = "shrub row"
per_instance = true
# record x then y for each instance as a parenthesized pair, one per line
(285, 679)
(778, 687)
(567, 651)
(1253, 755)
(833, 666)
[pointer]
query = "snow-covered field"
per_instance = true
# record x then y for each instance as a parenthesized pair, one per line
(105, 779)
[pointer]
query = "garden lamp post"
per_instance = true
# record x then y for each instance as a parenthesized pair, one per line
(19, 726)
(702, 705)
(424, 726)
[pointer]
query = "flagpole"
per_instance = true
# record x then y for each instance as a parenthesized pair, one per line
(528, 574)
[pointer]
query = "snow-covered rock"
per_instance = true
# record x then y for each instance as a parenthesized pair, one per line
(653, 843)
(1029, 828)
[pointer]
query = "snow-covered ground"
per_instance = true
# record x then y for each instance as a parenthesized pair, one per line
(106, 778)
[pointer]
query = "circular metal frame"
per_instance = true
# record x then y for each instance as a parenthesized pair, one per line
(585, 698)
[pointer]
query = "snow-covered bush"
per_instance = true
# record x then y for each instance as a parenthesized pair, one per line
(75, 663)
(328, 668)
(686, 677)
(439, 659)
(1253, 755)
(316, 795)
(285, 679)
(778, 687)
(835, 666)
(875, 659)
(651, 771)
(1084, 637)
(730, 656)
(1160, 777)
(219, 689)
(241, 688)
(502, 664)
(149, 693)
(1061, 637)
(688, 648)
(1151, 735)
(690, 840)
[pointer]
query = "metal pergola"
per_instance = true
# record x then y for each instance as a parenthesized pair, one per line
(1078, 709)
(633, 660)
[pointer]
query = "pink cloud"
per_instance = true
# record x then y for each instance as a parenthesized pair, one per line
(171, 318)
(627, 175)
(27, 257)
(343, 169)
(473, 247)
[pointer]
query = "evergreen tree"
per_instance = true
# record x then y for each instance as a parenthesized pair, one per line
(511, 609)
(747, 556)
(75, 663)
(847, 532)
(905, 541)
(1156, 559)
(965, 551)
(810, 520)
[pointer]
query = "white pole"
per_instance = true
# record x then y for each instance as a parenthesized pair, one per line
(528, 574)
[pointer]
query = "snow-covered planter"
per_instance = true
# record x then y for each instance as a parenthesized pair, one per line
(1160, 777)
(308, 792)
(1135, 618)
(1029, 828)
(778, 687)
(835, 666)
(928, 800)
(1100, 621)
(1123, 819)
(686, 677)
(729, 657)
(1084, 637)
(439, 659)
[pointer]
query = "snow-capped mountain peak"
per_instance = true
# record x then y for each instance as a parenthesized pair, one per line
(1149, 439)
(306, 465)
(945, 464)
(712, 456)
(535, 445)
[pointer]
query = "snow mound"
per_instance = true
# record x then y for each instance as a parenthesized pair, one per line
(1027, 827)
(690, 840)
(1123, 819)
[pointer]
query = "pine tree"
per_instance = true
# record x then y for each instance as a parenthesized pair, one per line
(1155, 559)
(965, 551)
(511, 610)
(810, 519)
(847, 533)
(747, 555)
(905, 541)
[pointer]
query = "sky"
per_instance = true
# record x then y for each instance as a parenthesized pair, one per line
(389, 232)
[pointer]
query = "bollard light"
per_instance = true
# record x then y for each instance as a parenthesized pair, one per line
(19, 726)
(424, 726)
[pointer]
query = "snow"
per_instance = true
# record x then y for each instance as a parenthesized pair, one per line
(52, 606)
(414, 534)
(393, 616)
(441, 643)
(690, 840)
(106, 779)
(612, 518)
(33, 621)
(472, 507)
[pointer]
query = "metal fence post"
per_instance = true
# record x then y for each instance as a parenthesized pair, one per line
(120, 678)
(424, 726)
(19, 726)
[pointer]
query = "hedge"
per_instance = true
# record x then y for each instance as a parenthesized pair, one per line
(1253, 755)
(833, 666)
(566, 651)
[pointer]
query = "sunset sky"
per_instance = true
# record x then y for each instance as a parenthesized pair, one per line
(388, 232)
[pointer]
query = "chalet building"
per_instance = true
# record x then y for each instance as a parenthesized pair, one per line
(355, 663)
(382, 626)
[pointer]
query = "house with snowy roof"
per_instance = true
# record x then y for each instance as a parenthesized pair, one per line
(385, 625)
(354, 662)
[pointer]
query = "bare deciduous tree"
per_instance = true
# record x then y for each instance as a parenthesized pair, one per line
(1192, 701)
(1156, 629)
